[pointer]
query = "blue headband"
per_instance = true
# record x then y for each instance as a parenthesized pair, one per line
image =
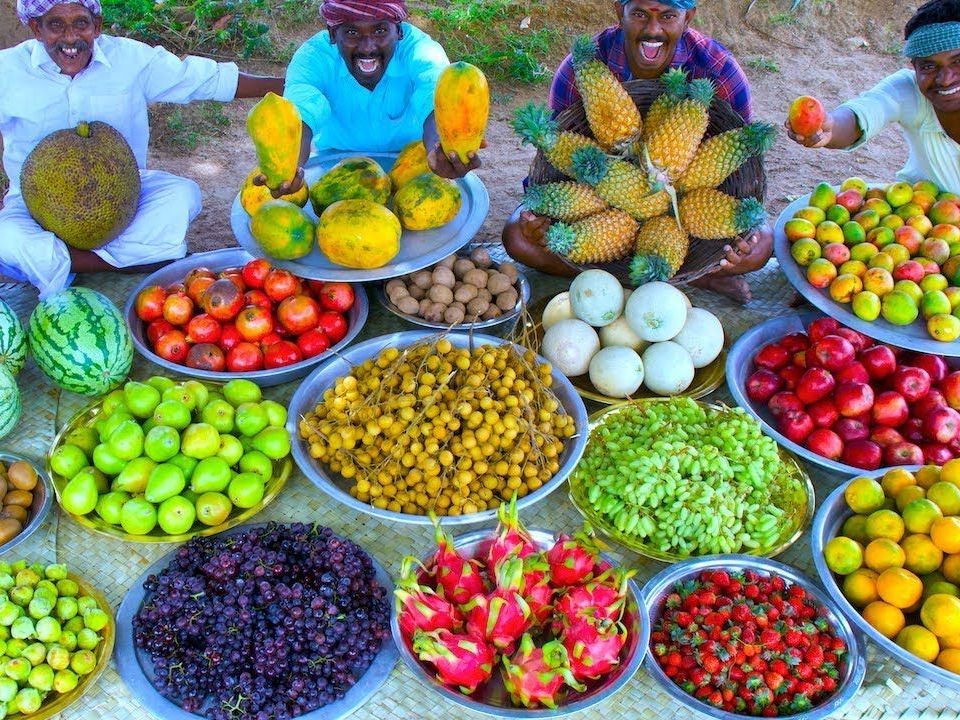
(678, 4)
(932, 39)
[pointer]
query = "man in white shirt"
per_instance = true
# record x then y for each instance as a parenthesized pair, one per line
(71, 73)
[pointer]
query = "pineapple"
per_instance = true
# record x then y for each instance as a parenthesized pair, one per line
(713, 215)
(675, 89)
(620, 183)
(604, 237)
(611, 112)
(672, 145)
(566, 201)
(536, 127)
(661, 247)
(723, 154)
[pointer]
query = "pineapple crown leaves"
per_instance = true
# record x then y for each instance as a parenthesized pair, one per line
(675, 84)
(759, 137)
(590, 165)
(533, 197)
(750, 214)
(701, 91)
(561, 238)
(583, 51)
(648, 268)
(535, 126)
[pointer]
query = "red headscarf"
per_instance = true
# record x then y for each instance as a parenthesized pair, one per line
(337, 12)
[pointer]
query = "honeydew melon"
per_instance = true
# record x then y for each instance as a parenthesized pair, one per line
(596, 297)
(569, 345)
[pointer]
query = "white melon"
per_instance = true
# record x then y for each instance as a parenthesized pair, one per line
(616, 371)
(701, 336)
(569, 345)
(668, 368)
(556, 310)
(596, 297)
(618, 333)
(656, 311)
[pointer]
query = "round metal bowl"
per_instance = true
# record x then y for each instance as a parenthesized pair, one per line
(662, 584)
(42, 501)
(492, 698)
(826, 526)
(912, 337)
(740, 367)
(799, 505)
(305, 400)
(136, 668)
(87, 417)
(216, 260)
(418, 249)
(508, 317)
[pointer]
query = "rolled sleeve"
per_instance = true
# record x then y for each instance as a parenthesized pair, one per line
(167, 78)
(306, 75)
(887, 102)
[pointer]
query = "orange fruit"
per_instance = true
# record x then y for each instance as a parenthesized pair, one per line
(951, 642)
(885, 524)
(883, 553)
(898, 308)
(895, 480)
(885, 618)
(899, 587)
(843, 555)
(919, 641)
(939, 587)
(946, 495)
(950, 472)
(930, 474)
(945, 534)
(919, 515)
(922, 555)
(940, 614)
(950, 567)
(949, 659)
(855, 528)
(860, 587)
(908, 494)
(864, 495)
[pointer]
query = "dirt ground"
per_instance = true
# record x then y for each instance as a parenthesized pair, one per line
(832, 49)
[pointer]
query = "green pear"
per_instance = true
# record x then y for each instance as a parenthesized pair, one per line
(230, 450)
(176, 515)
(111, 422)
(256, 462)
(141, 398)
(85, 438)
(211, 475)
(188, 494)
(199, 392)
(274, 442)
(126, 441)
(162, 443)
(276, 413)
(105, 461)
(161, 383)
(137, 517)
(186, 464)
(165, 481)
(199, 441)
(108, 508)
(178, 394)
(218, 413)
(250, 418)
(133, 478)
(80, 495)
(67, 460)
(148, 425)
(238, 392)
(113, 401)
(99, 479)
(173, 413)
(246, 490)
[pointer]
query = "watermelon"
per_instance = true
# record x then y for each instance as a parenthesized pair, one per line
(9, 401)
(13, 340)
(81, 342)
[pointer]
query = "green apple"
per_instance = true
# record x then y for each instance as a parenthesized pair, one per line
(164, 482)
(80, 495)
(48, 629)
(108, 508)
(274, 442)
(246, 490)
(110, 423)
(230, 450)
(85, 438)
(58, 657)
(162, 443)
(65, 680)
(187, 464)
(160, 383)
(276, 413)
(199, 392)
(238, 392)
(211, 475)
(176, 516)
(83, 662)
(141, 399)
(137, 516)
(113, 401)
(218, 413)
(172, 412)
(126, 441)
(133, 478)
(180, 395)
(67, 460)
(213, 508)
(106, 461)
(250, 418)
(199, 441)
(256, 462)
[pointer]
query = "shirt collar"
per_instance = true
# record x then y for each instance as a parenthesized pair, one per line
(40, 58)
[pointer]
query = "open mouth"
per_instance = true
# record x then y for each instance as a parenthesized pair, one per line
(651, 51)
(368, 66)
(946, 92)
(70, 53)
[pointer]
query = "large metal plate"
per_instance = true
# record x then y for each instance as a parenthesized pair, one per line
(913, 336)
(136, 669)
(417, 249)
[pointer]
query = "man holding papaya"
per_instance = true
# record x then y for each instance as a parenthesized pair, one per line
(71, 73)
(367, 84)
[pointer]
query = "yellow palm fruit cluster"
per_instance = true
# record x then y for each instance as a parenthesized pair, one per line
(604, 237)
(613, 116)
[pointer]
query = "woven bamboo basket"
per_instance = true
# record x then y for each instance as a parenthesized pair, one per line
(704, 256)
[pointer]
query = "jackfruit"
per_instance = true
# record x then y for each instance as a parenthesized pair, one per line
(82, 184)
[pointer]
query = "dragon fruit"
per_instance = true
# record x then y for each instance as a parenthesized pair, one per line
(536, 588)
(459, 579)
(512, 538)
(602, 598)
(594, 646)
(465, 661)
(536, 676)
(419, 607)
(502, 616)
(573, 559)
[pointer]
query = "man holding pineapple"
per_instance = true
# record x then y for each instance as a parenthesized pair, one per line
(651, 38)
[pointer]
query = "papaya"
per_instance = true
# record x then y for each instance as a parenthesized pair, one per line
(410, 163)
(461, 107)
(427, 202)
(360, 234)
(355, 178)
(276, 129)
(283, 229)
(253, 196)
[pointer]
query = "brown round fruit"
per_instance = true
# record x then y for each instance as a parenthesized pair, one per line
(23, 498)
(22, 475)
(16, 512)
(9, 529)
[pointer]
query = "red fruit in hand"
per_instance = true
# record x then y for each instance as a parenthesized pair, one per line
(833, 352)
(206, 356)
(334, 325)
(936, 453)
(281, 354)
(255, 272)
(254, 323)
(280, 284)
(791, 375)
(203, 329)
(149, 303)
(850, 429)
(862, 454)
(157, 329)
(879, 361)
(313, 342)
(935, 366)
(886, 436)
(222, 300)
(821, 327)
(172, 346)
(298, 313)
(941, 424)
(824, 413)
(783, 402)
(795, 342)
(911, 382)
(815, 384)
(244, 357)
(902, 453)
(854, 372)
(177, 309)
(230, 337)
(772, 357)
(336, 296)
(890, 409)
(806, 115)
(762, 385)
(796, 425)
(853, 399)
(258, 298)
(825, 443)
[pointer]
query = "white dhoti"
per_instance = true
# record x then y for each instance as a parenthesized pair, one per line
(167, 206)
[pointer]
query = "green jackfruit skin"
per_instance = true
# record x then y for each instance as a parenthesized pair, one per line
(82, 184)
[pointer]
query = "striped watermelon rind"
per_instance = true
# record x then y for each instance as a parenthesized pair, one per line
(81, 342)
(13, 340)
(9, 402)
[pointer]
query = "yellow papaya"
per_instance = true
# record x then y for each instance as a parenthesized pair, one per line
(461, 107)
(253, 196)
(276, 129)
(427, 202)
(410, 163)
(359, 234)
(282, 229)
(355, 178)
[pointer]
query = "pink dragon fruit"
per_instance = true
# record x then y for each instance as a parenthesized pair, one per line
(459, 579)
(536, 676)
(573, 559)
(419, 607)
(537, 590)
(512, 538)
(594, 646)
(502, 616)
(465, 661)
(602, 598)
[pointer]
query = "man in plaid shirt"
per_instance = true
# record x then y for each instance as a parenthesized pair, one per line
(652, 37)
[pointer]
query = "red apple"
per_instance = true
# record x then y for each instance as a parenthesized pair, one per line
(791, 375)
(950, 387)
(815, 384)
(334, 325)
(879, 361)
(795, 342)
(833, 352)
(903, 453)
(821, 327)
(824, 413)
(854, 372)
(772, 357)
(928, 402)
(858, 340)
(230, 337)
(890, 409)
(935, 366)
(912, 430)
(849, 429)
(806, 115)
(255, 272)
(936, 454)
(826, 443)
(886, 436)
(942, 424)
(800, 358)
(862, 454)
(783, 402)
(911, 382)
(796, 425)
(762, 385)
(244, 357)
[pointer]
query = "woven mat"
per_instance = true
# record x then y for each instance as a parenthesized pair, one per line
(889, 691)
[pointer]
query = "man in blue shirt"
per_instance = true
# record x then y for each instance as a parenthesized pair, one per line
(367, 85)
